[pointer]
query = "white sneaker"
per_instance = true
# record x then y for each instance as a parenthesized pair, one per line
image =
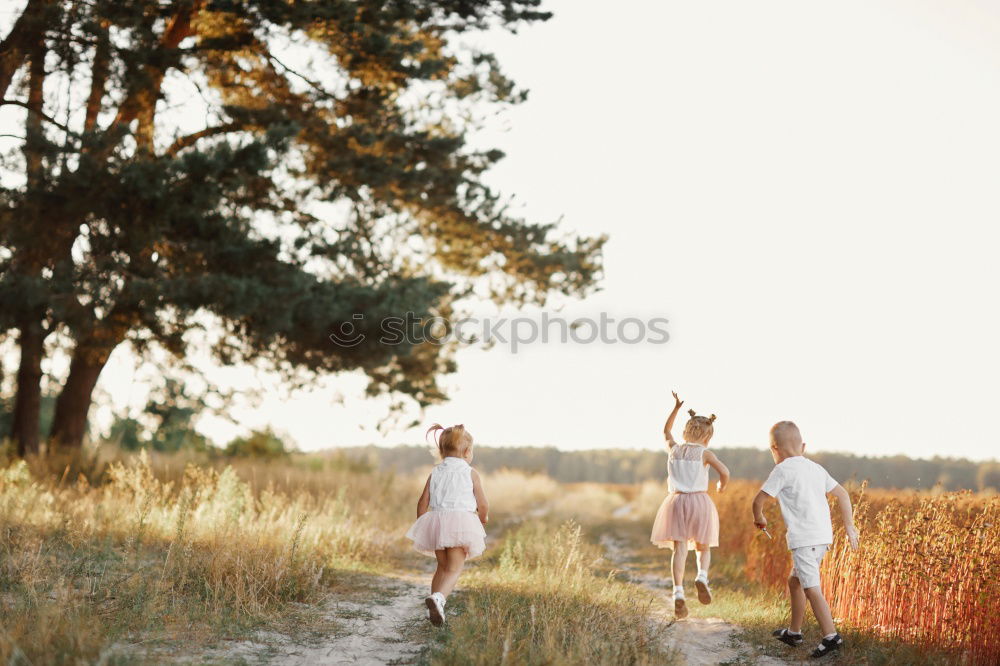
(435, 608)
(680, 608)
(704, 594)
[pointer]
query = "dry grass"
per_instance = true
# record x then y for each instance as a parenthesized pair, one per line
(927, 572)
(547, 597)
(165, 550)
(154, 552)
(544, 594)
(923, 588)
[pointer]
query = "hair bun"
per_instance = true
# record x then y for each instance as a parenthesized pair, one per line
(691, 412)
(711, 419)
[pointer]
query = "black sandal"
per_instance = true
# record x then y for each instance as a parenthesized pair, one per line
(828, 646)
(787, 637)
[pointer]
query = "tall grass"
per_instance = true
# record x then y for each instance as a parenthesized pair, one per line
(156, 548)
(163, 547)
(927, 572)
(548, 598)
(164, 551)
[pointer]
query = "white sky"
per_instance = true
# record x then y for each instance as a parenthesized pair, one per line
(808, 191)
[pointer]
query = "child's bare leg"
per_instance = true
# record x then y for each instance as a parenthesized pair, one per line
(821, 610)
(798, 598)
(442, 560)
(677, 562)
(448, 571)
(704, 557)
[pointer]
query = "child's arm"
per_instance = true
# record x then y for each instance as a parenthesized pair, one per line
(482, 506)
(846, 514)
(772, 486)
(669, 425)
(424, 503)
(713, 461)
(759, 520)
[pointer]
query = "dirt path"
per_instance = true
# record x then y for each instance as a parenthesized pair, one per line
(375, 630)
(699, 640)
(380, 626)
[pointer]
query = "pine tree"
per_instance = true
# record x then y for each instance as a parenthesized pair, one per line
(330, 176)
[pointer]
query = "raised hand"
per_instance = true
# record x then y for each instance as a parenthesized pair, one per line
(670, 420)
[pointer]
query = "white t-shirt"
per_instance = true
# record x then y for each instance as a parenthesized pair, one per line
(801, 487)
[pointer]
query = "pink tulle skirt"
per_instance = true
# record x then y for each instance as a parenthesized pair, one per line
(448, 529)
(690, 517)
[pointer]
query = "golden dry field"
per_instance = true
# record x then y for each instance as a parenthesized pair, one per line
(166, 558)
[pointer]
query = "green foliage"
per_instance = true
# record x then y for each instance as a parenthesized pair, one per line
(48, 407)
(130, 227)
(258, 444)
(127, 433)
(174, 412)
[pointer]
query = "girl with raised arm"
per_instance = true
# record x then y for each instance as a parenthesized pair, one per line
(688, 516)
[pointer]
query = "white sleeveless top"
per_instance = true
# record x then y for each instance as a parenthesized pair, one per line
(451, 486)
(687, 471)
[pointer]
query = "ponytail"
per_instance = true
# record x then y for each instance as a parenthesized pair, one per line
(437, 437)
(449, 440)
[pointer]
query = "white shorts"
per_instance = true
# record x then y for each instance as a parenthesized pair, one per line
(805, 564)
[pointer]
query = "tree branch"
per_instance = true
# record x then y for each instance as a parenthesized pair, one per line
(312, 84)
(41, 114)
(33, 128)
(141, 99)
(189, 140)
(178, 28)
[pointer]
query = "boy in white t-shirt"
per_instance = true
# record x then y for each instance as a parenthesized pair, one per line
(801, 486)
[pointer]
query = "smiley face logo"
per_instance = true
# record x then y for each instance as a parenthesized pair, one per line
(347, 334)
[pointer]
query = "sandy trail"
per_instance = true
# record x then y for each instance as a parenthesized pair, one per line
(700, 641)
(369, 632)
(379, 628)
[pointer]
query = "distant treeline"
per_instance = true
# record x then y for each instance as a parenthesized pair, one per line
(631, 466)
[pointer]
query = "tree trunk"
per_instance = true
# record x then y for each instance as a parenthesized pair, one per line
(99, 76)
(28, 30)
(69, 425)
(34, 134)
(28, 403)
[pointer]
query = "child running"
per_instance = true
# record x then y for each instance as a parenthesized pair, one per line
(688, 514)
(451, 513)
(801, 487)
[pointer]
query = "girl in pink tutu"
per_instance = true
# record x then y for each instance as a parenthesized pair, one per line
(451, 513)
(688, 515)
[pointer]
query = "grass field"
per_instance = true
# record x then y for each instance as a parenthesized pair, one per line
(144, 556)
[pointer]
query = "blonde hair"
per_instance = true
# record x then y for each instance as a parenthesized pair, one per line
(698, 428)
(787, 437)
(454, 441)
